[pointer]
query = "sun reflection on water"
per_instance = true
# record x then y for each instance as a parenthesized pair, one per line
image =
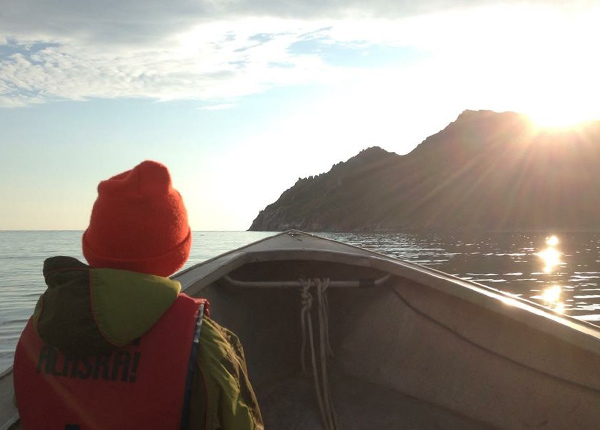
(550, 256)
(551, 297)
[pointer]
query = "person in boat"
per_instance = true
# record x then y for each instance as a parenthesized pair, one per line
(116, 345)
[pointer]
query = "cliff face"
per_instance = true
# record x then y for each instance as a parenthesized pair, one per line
(485, 171)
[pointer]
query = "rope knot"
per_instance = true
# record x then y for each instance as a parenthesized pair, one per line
(307, 298)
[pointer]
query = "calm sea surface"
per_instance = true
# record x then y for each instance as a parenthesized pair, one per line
(560, 271)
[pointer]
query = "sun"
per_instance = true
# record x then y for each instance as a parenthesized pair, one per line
(552, 120)
(562, 105)
(552, 117)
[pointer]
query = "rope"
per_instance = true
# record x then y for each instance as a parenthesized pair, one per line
(322, 389)
(306, 320)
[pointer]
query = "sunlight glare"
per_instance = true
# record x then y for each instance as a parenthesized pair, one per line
(509, 301)
(551, 118)
(551, 295)
(560, 308)
(561, 84)
(552, 241)
(551, 298)
(551, 258)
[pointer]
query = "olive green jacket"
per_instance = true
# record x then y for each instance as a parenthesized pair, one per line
(87, 311)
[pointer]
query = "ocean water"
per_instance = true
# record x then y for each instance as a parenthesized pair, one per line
(560, 271)
(22, 255)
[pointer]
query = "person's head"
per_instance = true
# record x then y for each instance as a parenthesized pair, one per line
(138, 223)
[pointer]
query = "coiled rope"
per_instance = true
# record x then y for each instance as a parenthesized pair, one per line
(323, 392)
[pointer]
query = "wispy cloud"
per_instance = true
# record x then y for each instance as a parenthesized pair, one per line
(209, 61)
(131, 22)
(78, 50)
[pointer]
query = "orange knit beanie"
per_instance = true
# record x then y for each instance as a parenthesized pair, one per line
(138, 223)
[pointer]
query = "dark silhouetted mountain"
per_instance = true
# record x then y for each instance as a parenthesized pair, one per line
(484, 171)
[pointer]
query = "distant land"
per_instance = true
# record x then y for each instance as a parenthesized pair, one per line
(485, 171)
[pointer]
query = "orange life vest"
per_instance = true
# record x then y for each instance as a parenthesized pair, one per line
(145, 385)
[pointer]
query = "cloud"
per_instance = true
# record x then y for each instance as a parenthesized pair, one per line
(139, 22)
(133, 22)
(216, 51)
(212, 61)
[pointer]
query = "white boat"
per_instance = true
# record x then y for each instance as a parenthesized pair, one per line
(412, 347)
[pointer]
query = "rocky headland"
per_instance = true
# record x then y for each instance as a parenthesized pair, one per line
(484, 171)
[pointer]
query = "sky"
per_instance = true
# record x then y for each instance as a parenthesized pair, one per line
(241, 98)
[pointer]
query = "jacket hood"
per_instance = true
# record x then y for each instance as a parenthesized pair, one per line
(89, 311)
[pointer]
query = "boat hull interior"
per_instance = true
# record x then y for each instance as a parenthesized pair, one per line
(405, 355)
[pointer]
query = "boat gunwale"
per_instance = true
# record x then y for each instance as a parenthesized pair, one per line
(522, 310)
(6, 378)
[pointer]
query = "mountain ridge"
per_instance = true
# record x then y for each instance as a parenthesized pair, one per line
(484, 171)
